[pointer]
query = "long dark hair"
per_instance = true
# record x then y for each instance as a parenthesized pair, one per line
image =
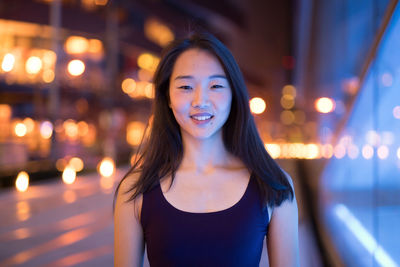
(163, 150)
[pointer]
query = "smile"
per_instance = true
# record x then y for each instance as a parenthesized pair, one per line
(201, 118)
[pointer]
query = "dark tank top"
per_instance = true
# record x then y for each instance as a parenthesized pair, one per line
(230, 237)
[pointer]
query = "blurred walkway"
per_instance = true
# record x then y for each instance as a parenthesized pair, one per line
(54, 224)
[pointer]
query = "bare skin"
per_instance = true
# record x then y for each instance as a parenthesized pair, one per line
(209, 178)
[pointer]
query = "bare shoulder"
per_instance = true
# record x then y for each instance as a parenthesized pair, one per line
(125, 193)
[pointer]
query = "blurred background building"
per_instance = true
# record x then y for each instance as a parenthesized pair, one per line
(76, 94)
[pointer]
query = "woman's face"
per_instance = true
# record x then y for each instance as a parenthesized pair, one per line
(200, 94)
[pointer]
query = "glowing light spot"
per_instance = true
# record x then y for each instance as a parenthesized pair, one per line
(128, 85)
(148, 62)
(367, 151)
(5, 112)
(257, 105)
(71, 129)
(327, 151)
(324, 105)
(149, 90)
(22, 181)
(61, 164)
(383, 152)
(134, 132)
(274, 150)
(76, 45)
(387, 79)
(289, 90)
(352, 151)
(95, 46)
(287, 101)
(33, 65)
(158, 32)
(8, 62)
(29, 123)
(69, 175)
(312, 151)
(23, 210)
(83, 128)
(106, 167)
(339, 151)
(20, 129)
(373, 138)
(48, 76)
(101, 2)
(76, 163)
(287, 117)
(398, 153)
(76, 67)
(396, 112)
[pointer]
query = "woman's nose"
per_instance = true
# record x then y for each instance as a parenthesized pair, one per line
(200, 98)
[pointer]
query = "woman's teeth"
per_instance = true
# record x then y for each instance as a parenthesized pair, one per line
(201, 118)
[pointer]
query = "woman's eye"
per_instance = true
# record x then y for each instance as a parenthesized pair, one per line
(185, 87)
(216, 86)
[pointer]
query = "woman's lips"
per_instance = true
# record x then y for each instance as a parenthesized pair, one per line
(201, 118)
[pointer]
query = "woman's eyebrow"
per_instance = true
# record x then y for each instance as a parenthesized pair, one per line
(181, 77)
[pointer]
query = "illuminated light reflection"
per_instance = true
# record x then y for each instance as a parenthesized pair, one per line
(76, 67)
(5, 112)
(8, 62)
(46, 129)
(339, 151)
(83, 128)
(33, 65)
(398, 153)
(106, 167)
(148, 62)
(69, 175)
(352, 151)
(95, 46)
(128, 85)
(22, 181)
(273, 149)
(61, 164)
(257, 105)
(71, 128)
(69, 196)
(367, 151)
(363, 236)
(20, 129)
(383, 152)
(76, 163)
(396, 112)
(106, 184)
(324, 105)
(23, 211)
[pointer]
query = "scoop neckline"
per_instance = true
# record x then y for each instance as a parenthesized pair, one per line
(211, 212)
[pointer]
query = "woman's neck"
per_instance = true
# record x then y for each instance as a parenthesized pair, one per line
(204, 155)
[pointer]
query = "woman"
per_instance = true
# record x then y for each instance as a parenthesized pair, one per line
(204, 191)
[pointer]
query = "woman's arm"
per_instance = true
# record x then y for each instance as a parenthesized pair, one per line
(128, 233)
(282, 239)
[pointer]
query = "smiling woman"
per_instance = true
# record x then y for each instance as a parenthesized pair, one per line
(204, 191)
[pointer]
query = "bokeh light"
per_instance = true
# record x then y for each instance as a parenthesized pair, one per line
(76, 45)
(20, 129)
(128, 85)
(22, 181)
(274, 150)
(69, 175)
(76, 67)
(257, 105)
(324, 105)
(8, 62)
(367, 151)
(396, 112)
(76, 163)
(287, 117)
(134, 132)
(383, 152)
(106, 167)
(33, 65)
